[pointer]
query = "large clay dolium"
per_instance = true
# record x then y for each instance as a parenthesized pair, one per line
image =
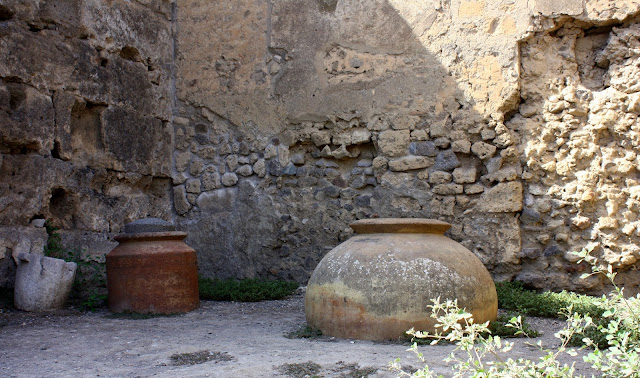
(379, 283)
(152, 272)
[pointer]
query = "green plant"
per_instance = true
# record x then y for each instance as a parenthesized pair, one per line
(512, 296)
(89, 290)
(247, 290)
(304, 332)
(502, 327)
(480, 354)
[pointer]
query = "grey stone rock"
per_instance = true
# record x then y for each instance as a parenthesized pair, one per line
(363, 201)
(332, 191)
(290, 170)
(297, 159)
(427, 148)
(553, 250)
(42, 283)
(529, 215)
(364, 163)
(148, 225)
(446, 161)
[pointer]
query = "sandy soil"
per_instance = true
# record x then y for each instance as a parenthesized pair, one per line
(236, 340)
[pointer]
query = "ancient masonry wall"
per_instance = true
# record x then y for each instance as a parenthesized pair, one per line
(263, 127)
(512, 120)
(85, 111)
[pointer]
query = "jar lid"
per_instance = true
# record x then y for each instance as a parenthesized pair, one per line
(148, 225)
(400, 225)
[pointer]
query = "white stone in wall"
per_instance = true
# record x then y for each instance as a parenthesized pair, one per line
(502, 198)
(464, 175)
(394, 142)
(408, 163)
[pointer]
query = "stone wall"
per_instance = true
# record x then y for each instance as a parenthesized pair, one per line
(495, 116)
(85, 120)
(264, 127)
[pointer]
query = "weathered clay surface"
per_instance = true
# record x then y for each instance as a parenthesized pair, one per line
(152, 272)
(379, 283)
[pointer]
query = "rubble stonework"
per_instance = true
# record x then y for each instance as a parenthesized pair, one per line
(272, 126)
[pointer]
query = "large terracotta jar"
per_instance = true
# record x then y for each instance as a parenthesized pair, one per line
(378, 284)
(152, 270)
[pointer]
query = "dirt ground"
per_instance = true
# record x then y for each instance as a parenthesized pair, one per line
(221, 339)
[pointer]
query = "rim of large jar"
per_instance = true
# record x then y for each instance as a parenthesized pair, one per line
(400, 225)
(147, 236)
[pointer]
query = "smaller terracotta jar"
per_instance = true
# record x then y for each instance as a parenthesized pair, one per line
(152, 270)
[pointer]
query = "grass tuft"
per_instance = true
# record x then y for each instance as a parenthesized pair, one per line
(248, 290)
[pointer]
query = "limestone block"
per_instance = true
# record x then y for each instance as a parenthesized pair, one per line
(321, 138)
(178, 178)
(27, 118)
(361, 136)
(193, 186)
(408, 163)
(483, 150)
(180, 201)
(464, 175)
(207, 152)
(260, 168)
(196, 167)
(229, 179)
(342, 138)
(502, 198)
(442, 205)
(210, 181)
(405, 122)
(42, 283)
(394, 142)
(581, 222)
(448, 189)
(442, 142)
(380, 163)
(232, 162)
(419, 135)
(439, 177)
(246, 170)
(462, 145)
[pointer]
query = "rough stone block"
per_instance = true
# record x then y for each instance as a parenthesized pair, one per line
(502, 198)
(483, 150)
(448, 189)
(464, 175)
(42, 283)
(394, 142)
(408, 163)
